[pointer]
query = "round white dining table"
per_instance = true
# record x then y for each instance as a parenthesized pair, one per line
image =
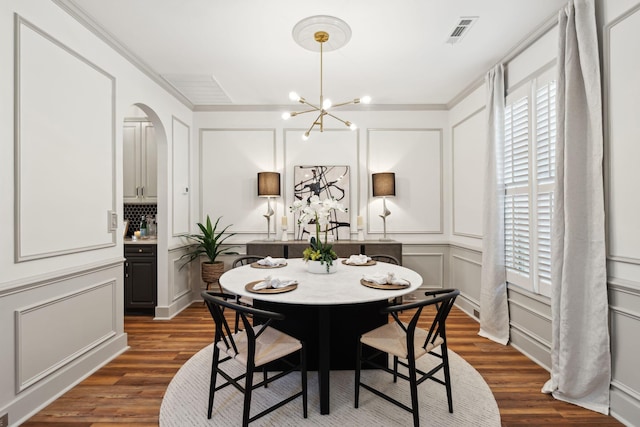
(321, 294)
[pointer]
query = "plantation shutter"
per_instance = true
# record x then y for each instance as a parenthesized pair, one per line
(517, 256)
(516, 144)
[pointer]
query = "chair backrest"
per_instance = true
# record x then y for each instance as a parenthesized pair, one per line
(385, 258)
(217, 302)
(244, 260)
(443, 300)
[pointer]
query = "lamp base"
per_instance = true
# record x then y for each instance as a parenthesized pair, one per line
(269, 239)
(385, 239)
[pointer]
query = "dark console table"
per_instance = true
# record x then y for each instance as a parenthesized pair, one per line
(344, 248)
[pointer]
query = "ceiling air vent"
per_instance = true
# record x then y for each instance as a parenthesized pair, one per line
(461, 28)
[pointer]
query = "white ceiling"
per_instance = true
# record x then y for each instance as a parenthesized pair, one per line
(398, 52)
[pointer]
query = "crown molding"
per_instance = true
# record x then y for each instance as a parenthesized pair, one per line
(84, 19)
(359, 107)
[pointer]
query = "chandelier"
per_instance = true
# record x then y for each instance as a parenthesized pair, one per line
(313, 33)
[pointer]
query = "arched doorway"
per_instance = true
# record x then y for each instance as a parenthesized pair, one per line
(144, 197)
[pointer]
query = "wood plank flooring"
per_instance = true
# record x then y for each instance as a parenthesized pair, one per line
(129, 390)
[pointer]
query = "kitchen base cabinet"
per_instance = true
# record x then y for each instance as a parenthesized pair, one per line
(140, 279)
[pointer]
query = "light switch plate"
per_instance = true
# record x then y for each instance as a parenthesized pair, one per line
(112, 218)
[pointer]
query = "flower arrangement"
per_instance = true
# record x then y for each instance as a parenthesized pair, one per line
(318, 212)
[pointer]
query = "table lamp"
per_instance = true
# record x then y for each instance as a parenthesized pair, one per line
(384, 185)
(268, 186)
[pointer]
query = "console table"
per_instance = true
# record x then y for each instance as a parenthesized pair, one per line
(344, 248)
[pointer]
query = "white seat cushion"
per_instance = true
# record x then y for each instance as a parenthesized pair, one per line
(270, 345)
(391, 339)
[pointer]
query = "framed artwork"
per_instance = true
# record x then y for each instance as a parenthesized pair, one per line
(325, 182)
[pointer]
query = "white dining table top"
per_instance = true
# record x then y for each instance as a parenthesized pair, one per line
(341, 287)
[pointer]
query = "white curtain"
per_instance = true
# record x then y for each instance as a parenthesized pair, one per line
(494, 310)
(580, 356)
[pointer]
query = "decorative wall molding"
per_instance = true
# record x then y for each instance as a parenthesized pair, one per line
(33, 282)
(453, 176)
(31, 104)
(44, 324)
(175, 122)
(269, 136)
(607, 124)
(390, 229)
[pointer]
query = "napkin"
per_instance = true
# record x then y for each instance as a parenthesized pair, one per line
(385, 279)
(274, 283)
(358, 259)
(272, 262)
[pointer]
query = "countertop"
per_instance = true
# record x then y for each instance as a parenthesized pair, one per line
(149, 241)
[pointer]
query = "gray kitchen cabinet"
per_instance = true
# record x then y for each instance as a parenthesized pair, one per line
(140, 162)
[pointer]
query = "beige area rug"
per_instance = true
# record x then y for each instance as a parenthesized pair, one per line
(185, 401)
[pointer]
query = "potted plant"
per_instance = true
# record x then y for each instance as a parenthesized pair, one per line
(208, 243)
(318, 212)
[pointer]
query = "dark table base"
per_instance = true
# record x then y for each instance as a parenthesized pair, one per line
(331, 333)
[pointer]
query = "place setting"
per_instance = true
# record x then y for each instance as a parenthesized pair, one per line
(359, 261)
(387, 281)
(271, 285)
(269, 262)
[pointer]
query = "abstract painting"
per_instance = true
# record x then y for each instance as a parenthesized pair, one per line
(325, 182)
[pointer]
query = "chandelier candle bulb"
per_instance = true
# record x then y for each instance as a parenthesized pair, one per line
(360, 222)
(284, 222)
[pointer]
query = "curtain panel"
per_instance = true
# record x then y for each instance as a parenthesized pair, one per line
(494, 309)
(580, 354)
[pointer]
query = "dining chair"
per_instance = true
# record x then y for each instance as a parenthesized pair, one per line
(408, 342)
(253, 348)
(385, 258)
(239, 262)
(389, 259)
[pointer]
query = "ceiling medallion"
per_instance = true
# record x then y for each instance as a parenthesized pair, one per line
(322, 33)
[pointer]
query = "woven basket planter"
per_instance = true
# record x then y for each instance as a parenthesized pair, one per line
(211, 272)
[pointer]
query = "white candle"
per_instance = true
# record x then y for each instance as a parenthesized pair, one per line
(284, 221)
(360, 223)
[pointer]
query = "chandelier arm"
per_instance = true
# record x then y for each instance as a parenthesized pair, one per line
(314, 123)
(297, 113)
(304, 101)
(337, 118)
(344, 103)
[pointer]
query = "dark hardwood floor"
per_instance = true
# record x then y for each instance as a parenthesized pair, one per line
(129, 390)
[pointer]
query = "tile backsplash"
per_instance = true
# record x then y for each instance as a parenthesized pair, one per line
(133, 213)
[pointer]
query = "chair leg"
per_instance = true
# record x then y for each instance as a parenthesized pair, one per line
(395, 369)
(303, 374)
(447, 376)
(248, 386)
(358, 368)
(413, 385)
(214, 375)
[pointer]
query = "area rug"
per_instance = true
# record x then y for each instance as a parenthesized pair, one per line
(185, 401)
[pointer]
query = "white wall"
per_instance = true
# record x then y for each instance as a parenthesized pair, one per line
(61, 275)
(620, 25)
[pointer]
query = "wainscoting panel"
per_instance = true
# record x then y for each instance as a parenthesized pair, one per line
(530, 322)
(468, 141)
(415, 156)
(230, 160)
(65, 110)
(181, 177)
(52, 333)
(429, 265)
(624, 303)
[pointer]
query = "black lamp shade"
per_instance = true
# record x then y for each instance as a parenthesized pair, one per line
(268, 184)
(384, 184)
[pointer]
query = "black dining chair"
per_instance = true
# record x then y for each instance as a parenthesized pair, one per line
(253, 348)
(407, 343)
(390, 259)
(239, 262)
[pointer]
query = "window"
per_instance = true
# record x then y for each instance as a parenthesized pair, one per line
(529, 174)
